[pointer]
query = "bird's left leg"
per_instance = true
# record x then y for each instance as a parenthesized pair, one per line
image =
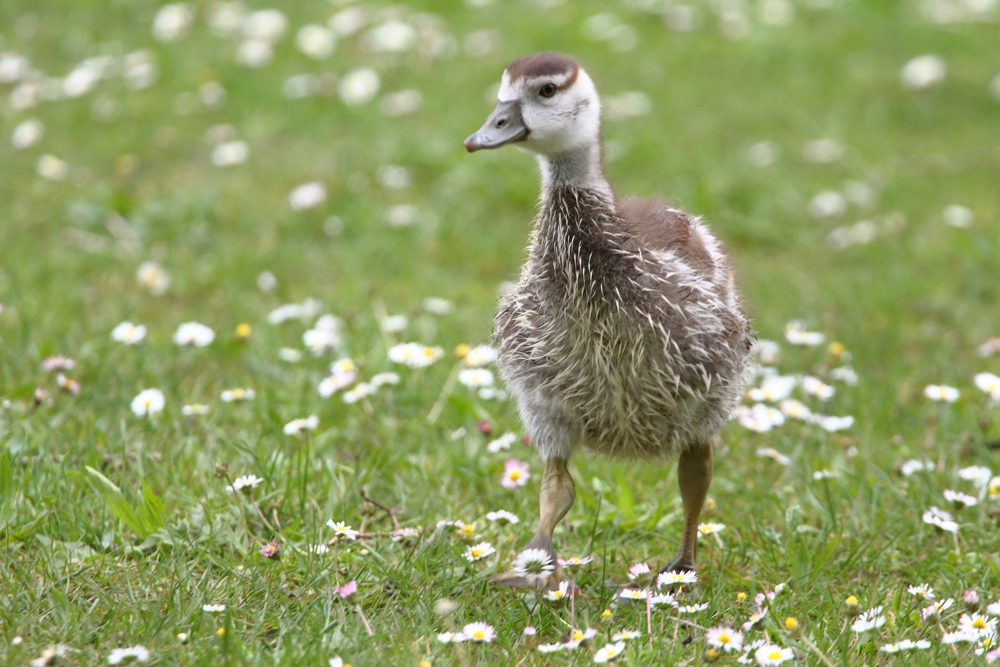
(557, 495)
(694, 475)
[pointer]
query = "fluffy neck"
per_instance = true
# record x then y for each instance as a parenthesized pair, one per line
(580, 167)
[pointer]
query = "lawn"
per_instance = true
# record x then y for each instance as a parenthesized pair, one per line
(304, 194)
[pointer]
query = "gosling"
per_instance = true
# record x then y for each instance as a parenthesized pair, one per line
(625, 334)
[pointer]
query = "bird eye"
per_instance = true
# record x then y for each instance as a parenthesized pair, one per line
(548, 90)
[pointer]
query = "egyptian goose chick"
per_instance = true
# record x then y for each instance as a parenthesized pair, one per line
(625, 334)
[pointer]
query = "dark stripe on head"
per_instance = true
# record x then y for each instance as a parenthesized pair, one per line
(544, 64)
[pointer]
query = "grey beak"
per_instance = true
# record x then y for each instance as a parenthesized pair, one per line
(505, 125)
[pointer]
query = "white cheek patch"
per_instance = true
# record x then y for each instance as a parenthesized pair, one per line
(508, 90)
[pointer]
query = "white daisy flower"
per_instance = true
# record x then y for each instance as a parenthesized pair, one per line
(923, 72)
(213, 608)
(633, 594)
(502, 517)
(609, 652)
(244, 483)
(128, 333)
(941, 393)
(673, 578)
(479, 632)
(977, 624)
(501, 443)
(935, 608)
(307, 196)
(769, 654)
(623, 635)
(195, 409)
(978, 475)
(148, 402)
(796, 334)
(923, 591)
(27, 134)
(475, 377)
(989, 383)
(359, 86)
(298, 425)
(479, 551)
(869, 620)
(341, 529)
(559, 594)
(816, 387)
(126, 655)
(663, 599)
(773, 388)
(193, 333)
(172, 22)
(315, 41)
(960, 499)
(912, 466)
(359, 391)
(725, 638)
(709, 528)
(533, 562)
(237, 395)
(941, 519)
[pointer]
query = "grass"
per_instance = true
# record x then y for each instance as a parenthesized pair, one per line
(910, 308)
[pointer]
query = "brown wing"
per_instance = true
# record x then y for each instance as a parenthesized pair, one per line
(660, 227)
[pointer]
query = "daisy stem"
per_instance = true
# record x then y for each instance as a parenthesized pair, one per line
(364, 619)
(812, 647)
(239, 506)
(449, 384)
(261, 514)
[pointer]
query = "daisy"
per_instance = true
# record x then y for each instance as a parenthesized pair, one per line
(126, 655)
(152, 277)
(671, 578)
(359, 86)
(551, 648)
(577, 637)
(755, 619)
(319, 340)
(244, 483)
(237, 394)
(437, 306)
(359, 391)
(922, 591)
(959, 499)
(298, 425)
(993, 488)
(625, 634)
(909, 644)
(941, 393)
(710, 528)
(475, 377)
(816, 387)
(940, 519)
(68, 384)
(820, 475)
(923, 72)
(193, 333)
(194, 409)
(869, 620)
(795, 409)
(977, 624)
(380, 379)
(693, 608)
(773, 388)
(959, 636)
(213, 608)
(480, 355)
(774, 455)
(479, 632)
(503, 517)
(633, 594)
(934, 610)
(515, 473)
(503, 442)
(290, 355)
(343, 367)
(978, 475)
(993, 609)
(637, 571)
(479, 551)
(347, 590)
(533, 562)
(575, 561)
(315, 41)
(451, 637)
(724, 637)
(844, 374)
(769, 654)
(307, 196)
(318, 549)
(796, 334)
(341, 529)
(662, 599)
(148, 402)
(916, 465)
(414, 355)
(833, 424)
(608, 652)
(989, 383)
(559, 594)
(128, 333)
(58, 363)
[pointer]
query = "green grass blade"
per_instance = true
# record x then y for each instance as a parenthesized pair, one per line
(116, 502)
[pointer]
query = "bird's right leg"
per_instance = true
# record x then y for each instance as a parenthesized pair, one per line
(557, 495)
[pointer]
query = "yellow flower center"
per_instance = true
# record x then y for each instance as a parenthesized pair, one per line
(979, 623)
(515, 475)
(557, 594)
(577, 636)
(774, 655)
(476, 553)
(724, 638)
(479, 634)
(428, 351)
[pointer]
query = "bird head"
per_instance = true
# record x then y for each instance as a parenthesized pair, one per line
(547, 104)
